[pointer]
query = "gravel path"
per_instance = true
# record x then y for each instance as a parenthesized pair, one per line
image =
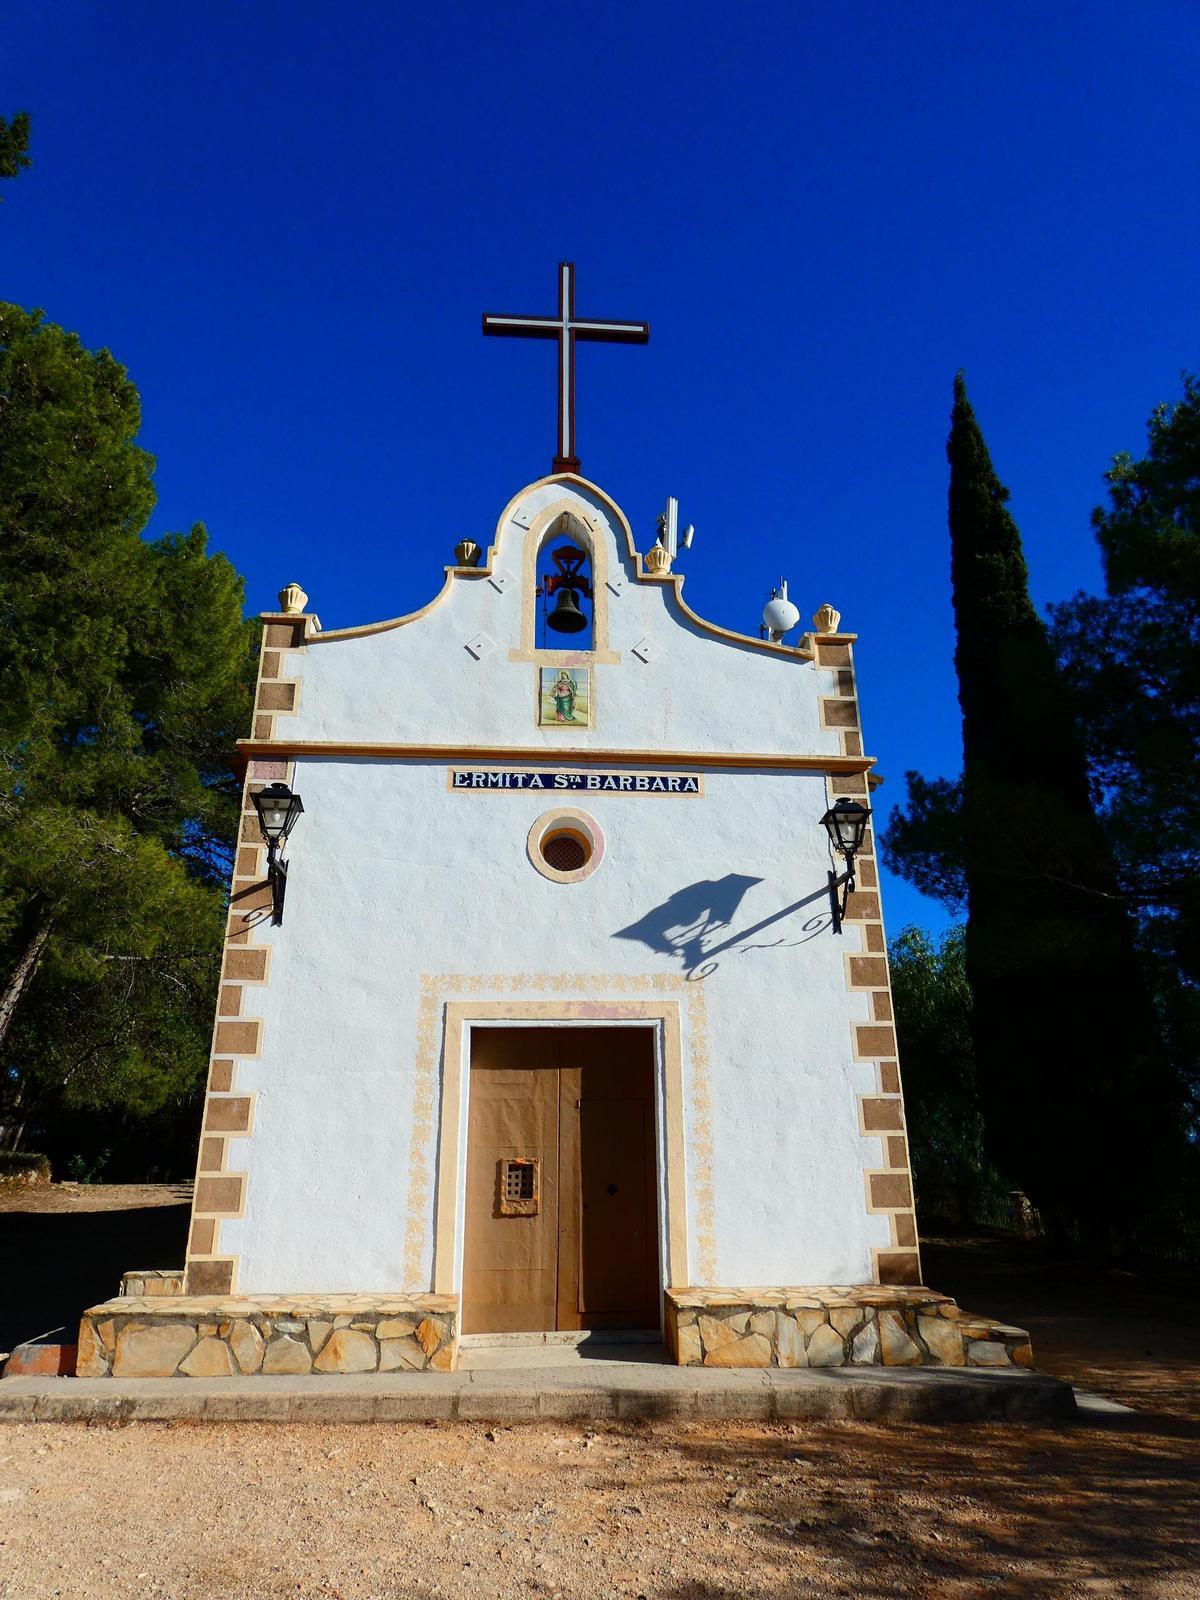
(756, 1513)
(380, 1512)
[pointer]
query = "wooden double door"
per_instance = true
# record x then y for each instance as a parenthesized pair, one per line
(561, 1197)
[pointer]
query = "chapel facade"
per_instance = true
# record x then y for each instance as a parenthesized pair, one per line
(592, 934)
(567, 1023)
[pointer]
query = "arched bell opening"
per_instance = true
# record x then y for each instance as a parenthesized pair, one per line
(564, 595)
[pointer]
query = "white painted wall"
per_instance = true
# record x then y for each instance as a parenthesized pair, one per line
(419, 684)
(393, 876)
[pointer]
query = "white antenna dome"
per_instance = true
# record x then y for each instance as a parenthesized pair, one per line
(779, 614)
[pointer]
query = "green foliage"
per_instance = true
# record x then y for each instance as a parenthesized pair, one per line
(14, 145)
(1079, 1107)
(924, 840)
(88, 1169)
(125, 676)
(932, 1000)
(1132, 659)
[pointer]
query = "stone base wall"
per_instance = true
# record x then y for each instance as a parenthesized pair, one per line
(844, 1326)
(152, 1282)
(210, 1336)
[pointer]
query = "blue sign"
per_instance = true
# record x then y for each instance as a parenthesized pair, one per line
(578, 782)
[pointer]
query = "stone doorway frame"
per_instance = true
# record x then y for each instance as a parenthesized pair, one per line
(662, 1016)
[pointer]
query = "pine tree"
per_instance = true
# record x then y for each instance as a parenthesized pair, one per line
(1132, 661)
(14, 145)
(1079, 1106)
(124, 680)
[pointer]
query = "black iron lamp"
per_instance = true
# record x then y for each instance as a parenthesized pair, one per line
(846, 824)
(277, 809)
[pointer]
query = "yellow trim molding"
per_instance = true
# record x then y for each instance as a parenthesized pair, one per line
(801, 652)
(289, 749)
(664, 1014)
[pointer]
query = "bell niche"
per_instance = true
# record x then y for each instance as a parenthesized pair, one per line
(564, 597)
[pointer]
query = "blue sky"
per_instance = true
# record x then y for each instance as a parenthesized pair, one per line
(286, 221)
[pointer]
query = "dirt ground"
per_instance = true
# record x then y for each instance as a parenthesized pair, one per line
(1103, 1507)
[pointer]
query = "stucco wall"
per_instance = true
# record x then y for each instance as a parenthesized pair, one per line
(419, 684)
(404, 895)
(392, 877)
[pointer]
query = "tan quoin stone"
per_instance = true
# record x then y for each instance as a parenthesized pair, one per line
(443, 1361)
(347, 1350)
(151, 1352)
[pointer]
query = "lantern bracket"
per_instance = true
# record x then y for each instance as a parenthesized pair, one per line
(277, 808)
(277, 869)
(837, 905)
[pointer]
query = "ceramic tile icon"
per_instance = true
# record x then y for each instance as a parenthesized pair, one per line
(565, 697)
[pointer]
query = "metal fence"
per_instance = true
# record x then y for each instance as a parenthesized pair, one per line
(1005, 1210)
(1170, 1234)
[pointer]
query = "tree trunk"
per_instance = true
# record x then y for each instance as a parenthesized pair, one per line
(22, 976)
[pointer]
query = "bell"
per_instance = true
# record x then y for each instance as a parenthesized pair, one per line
(566, 616)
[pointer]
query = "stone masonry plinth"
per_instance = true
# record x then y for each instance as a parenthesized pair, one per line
(213, 1336)
(849, 1325)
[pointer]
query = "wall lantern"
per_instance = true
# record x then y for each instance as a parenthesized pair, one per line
(846, 824)
(277, 809)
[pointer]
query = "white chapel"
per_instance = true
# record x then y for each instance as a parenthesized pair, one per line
(573, 1017)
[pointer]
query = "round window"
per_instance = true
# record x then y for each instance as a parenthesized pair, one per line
(565, 846)
(565, 851)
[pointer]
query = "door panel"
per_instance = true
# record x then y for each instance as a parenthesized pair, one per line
(617, 1261)
(510, 1265)
(581, 1101)
(618, 1196)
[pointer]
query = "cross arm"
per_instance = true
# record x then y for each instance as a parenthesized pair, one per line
(612, 332)
(522, 327)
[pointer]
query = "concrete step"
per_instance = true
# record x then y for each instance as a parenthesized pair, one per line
(581, 1392)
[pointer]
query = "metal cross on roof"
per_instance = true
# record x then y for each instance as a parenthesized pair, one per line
(566, 327)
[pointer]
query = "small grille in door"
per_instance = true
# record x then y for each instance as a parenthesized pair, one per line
(519, 1186)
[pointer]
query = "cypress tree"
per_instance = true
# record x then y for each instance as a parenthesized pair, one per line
(1078, 1103)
